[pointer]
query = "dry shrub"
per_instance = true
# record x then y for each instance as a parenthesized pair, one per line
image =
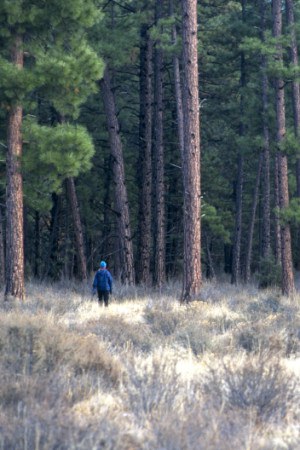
(31, 344)
(273, 334)
(119, 334)
(194, 336)
(162, 321)
(261, 385)
(152, 387)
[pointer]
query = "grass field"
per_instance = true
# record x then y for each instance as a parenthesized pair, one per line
(147, 373)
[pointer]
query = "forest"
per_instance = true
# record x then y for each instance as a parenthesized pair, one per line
(102, 107)
(158, 137)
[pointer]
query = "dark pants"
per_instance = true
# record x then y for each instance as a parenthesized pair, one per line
(103, 295)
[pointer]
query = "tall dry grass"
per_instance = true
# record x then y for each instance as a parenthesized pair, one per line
(147, 373)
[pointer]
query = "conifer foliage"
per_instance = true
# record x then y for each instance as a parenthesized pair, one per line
(105, 164)
(44, 55)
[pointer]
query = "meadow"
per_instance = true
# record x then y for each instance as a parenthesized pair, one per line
(148, 373)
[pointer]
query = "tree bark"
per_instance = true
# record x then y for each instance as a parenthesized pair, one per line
(236, 253)
(266, 213)
(178, 90)
(37, 261)
(80, 247)
(2, 252)
(295, 89)
(192, 277)
(14, 194)
(288, 286)
(159, 170)
(247, 272)
(121, 198)
(145, 162)
(276, 213)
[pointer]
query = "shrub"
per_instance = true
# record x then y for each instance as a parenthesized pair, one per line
(260, 385)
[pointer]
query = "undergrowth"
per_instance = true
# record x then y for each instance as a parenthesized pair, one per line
(148, 373)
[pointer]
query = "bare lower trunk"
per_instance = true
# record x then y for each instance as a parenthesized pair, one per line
(121, 198)
(252, 223)
(295, 87)
(14, 195)
(107, 231)
(288, 286)
(145, 166)
(210, 271)
(80, 250)
(192, 277)
(159, 182)
(2, 252)
(178, 90)
(37, 245)
(277, 231)
(236, 253)
(266, 212)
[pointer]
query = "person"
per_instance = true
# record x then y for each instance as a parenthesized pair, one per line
(102, 284)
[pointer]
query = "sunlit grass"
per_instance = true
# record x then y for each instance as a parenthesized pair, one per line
(149, 373)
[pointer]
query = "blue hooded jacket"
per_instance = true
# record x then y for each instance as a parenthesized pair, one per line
(103, 280)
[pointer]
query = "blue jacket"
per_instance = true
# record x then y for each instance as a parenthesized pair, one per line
(103, 280)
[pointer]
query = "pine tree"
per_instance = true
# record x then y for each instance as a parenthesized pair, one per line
(38, 32)
(191, 160)
(288, 286)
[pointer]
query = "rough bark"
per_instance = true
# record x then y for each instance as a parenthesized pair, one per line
(178, 89)
(192, 276)
(236, 252)
(247, 272)
(145, 162)
(277, 230)
(80, 247)
(37, 245)
(107, 232)
(2, 252)
(121, 198)
(159, 184)
(52, 252)
(295, 89)
(288, 286)
(210, 271)
(14, 194)
(266, 212)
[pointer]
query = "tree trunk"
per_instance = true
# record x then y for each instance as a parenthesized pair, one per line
(192, 276)
(121, 199)
(295, 89)
(14, 195)
(266, 213)
(37, 244)
(288, 286)
(210, 271)
(178, 90)
(276, 214)
(107, 232)
(52, 252)
(2, 252)
(80, 250)
(236, 254)
(145, 166)
(236, 251)
(159, 183)
(247, 272)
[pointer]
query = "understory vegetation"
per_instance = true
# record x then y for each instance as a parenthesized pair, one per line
(149, 373)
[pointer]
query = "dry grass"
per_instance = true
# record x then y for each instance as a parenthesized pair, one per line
(147, 373)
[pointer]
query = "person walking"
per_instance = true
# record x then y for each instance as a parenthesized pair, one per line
(102, 284)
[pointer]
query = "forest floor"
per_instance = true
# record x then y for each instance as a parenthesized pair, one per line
(148, 373)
